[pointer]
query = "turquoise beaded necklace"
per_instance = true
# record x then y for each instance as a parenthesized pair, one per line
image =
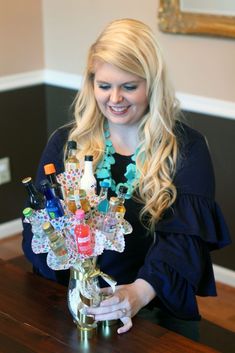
(103, 169)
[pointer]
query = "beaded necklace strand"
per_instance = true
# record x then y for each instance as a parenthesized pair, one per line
(103, 169)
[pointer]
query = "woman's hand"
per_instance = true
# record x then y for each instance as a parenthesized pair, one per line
(124, 303)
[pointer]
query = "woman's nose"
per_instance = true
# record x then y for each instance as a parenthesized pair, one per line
(115, 96)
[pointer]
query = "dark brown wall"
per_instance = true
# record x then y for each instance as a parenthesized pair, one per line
(27, 117)
(58, 106)
(22, 138)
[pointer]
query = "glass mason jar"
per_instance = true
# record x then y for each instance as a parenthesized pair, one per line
(83, 291)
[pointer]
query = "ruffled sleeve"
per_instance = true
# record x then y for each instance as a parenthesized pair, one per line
(178, 265)
(197, 216)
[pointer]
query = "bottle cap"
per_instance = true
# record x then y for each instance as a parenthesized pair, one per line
(28, 211)
(105, 184)
(47, 227)
(80, 214)
(27, 180)
(49, 168)
(72, 145)
(89, 158)
(113, 200)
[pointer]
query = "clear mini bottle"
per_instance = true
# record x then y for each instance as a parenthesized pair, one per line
(30, 214)
(103, 204)
(82, 234)
(121, 209)
(110, 222)
(57, 241)
(71, 162)
(88, 180)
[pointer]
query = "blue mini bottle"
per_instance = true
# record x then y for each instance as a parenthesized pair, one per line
(53, 205)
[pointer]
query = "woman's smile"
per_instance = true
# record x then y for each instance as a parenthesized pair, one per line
(118, 110)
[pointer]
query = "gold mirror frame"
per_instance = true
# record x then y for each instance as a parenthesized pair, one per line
(173, 20)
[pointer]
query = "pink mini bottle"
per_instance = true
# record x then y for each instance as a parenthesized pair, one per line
(82, 234)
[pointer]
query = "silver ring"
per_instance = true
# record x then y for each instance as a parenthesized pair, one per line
(124, 311)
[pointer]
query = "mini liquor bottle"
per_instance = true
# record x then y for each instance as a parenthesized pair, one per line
(53, 205)
(82, 234)
(50, 173)
(36, 199)
(30, 214)
(57, 241)
(70, 201)
(71, 162)
(121, 209)
(88, 180)
(82, 202)
(103, 204)
(110, 222)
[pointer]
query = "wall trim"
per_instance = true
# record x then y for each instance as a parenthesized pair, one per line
(205, 105)
(224, 275)
(62, 79)
(10, 228)
(189, 102)
(21, 80)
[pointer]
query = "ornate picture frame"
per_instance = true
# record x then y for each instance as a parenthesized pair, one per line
(172, 20)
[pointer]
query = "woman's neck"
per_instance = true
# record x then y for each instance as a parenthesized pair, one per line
(124, 138)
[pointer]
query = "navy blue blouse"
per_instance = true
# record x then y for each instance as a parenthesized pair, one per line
(176, 262)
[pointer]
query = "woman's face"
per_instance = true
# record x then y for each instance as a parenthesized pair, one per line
(121, 96)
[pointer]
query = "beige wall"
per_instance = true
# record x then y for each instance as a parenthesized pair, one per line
(21, 42)
(202, 66)
(77, 24)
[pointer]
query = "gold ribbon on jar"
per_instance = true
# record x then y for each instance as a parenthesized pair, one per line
(86, 273)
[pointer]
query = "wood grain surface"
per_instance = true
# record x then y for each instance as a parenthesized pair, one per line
(34, 318)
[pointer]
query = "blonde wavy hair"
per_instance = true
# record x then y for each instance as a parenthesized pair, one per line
(131, 46)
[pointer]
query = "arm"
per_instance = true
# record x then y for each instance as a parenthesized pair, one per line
(178, 266)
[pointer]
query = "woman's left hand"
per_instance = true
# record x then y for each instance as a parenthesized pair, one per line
(124, 303)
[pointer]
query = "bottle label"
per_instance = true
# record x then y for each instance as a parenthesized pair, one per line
(54, 212)
(85, 249)
(110, 226)
(58, 247)
(89, 185)
(82, 240)
(84, 245)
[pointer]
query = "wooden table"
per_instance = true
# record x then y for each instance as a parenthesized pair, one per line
(34, 318)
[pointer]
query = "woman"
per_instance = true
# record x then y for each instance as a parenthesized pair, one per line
(126, 99)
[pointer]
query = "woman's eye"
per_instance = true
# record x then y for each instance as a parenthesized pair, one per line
(104, 86)
(130, 87)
